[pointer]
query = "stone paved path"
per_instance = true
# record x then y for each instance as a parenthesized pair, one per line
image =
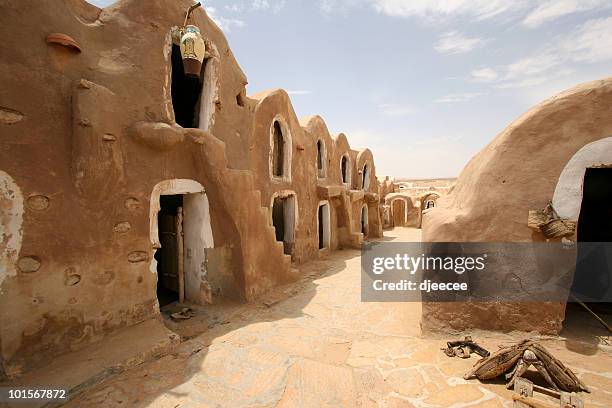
(316, 345)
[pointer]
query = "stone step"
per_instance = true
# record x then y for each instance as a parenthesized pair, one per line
(81, 369)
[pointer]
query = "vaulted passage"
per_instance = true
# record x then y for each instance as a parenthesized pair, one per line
(186, 92)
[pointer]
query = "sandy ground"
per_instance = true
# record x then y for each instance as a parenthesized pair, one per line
(315, 344)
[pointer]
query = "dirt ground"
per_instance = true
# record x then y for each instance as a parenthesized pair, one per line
(315, 344)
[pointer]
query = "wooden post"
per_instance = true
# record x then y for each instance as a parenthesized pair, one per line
(180, 254)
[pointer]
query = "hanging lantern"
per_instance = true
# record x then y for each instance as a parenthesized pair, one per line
(192, 51)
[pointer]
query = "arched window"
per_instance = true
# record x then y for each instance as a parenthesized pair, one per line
(345, 170)
(430, 204)
(321, 159)
(365, 177)
(278, 151)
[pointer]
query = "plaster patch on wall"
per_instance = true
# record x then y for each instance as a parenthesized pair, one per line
(567, 199)
(11, 219)
(198, 238)
(115, 61)
(167, 52)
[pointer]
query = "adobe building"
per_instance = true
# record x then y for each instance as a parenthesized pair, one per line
(126, 184)
(559, 151)
(405, 202)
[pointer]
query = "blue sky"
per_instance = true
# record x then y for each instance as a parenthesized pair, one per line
(424, 83)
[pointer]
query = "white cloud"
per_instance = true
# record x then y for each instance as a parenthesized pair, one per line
(458, 97)
(484, 75)
(224, 23)
(435, 9)
(536, 64)
(299, 92)
(533, 13)
(256, 5)
(454, 42)
(590, 42)
(531, 81)
(553, 9)
(392, 109)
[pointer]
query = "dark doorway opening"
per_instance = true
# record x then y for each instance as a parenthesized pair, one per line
(278, 150)
(364, 221)
(283, 219)
(321, 228)
(344, 167)
(399, 213)
(167, 256)
(186, 92)
(593, 276)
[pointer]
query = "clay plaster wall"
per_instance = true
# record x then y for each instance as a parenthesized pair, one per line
(412, 212)
(86, 138)
(539, 157)
(310, 189)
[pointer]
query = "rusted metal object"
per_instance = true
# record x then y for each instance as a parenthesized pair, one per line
(515, 360)
(464, 348)
(63, 39)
